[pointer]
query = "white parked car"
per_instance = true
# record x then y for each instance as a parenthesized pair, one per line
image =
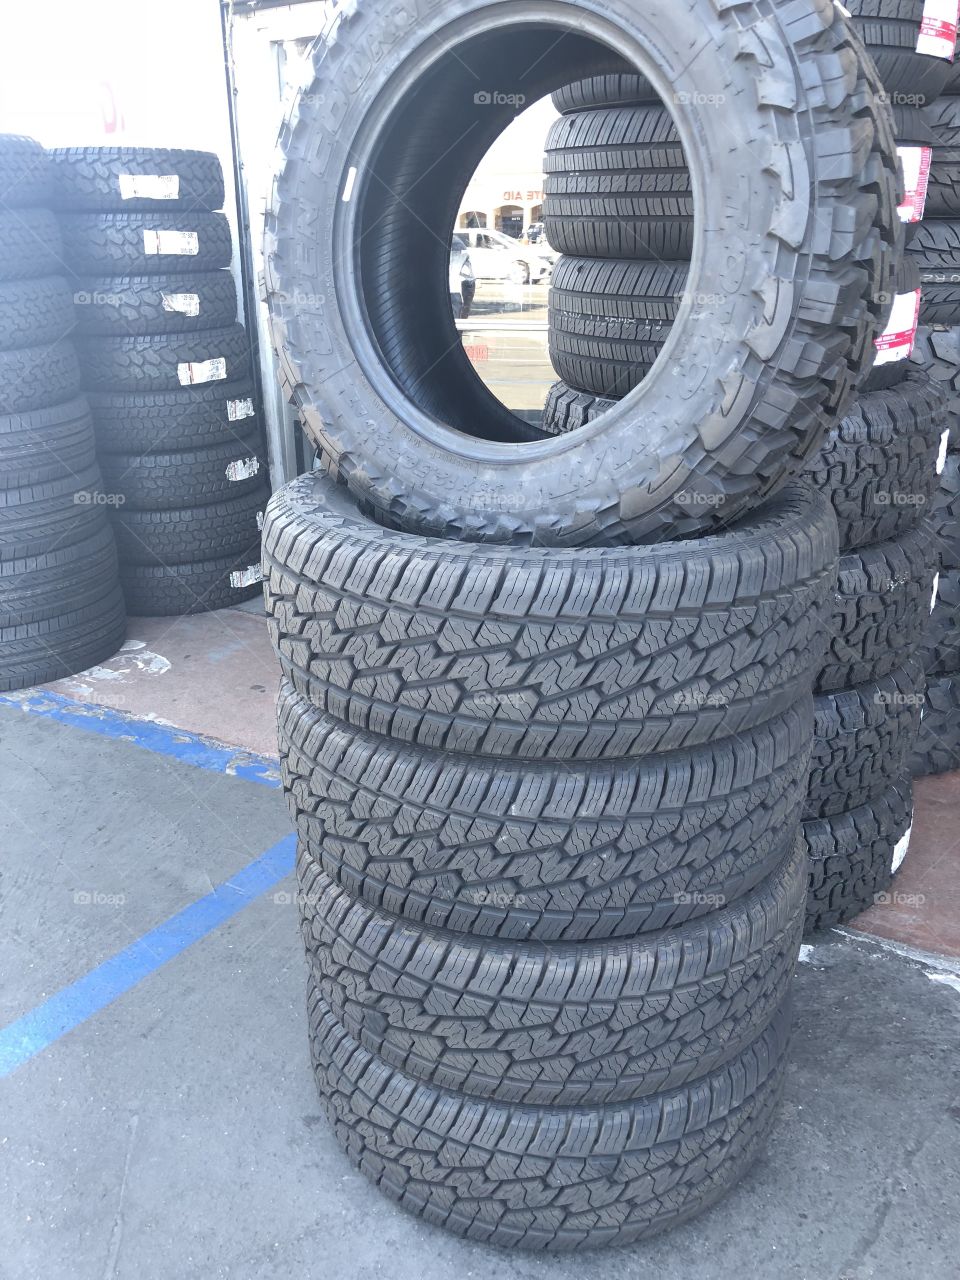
(499, 257)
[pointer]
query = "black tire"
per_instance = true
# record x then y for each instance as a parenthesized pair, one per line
(567, 409)
(103, 177)
(608, 320)
(117, 244)
(617, 185)
(31, 244)
(39, 518)
(195, 587)
(38, 377)
(554, 1179)
(70, 579)
(936, 250)
(938, 743)
(212, 473)
(228, 528)
(890, 29)
(946, 514)
(522, 850)
(25, 178)
(938, 352)
(425, 453)
(877, 467)
(45, 444)
(140, 305)
(166, 361)
(542, 653)
(38, 652)
(882, 605)
(169, 420)
(852, 857)
(863, 740)
(943, 192)
(35, 312)
(555, 1025)
(940, 651)
(624, 88)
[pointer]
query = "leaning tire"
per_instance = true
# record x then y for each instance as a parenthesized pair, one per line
(547, 1178)
(138, 305)
(166, 361)
(753, 380)
(212, 473)
(134, 244)
(524, 850)
(136, 178)
(540, 653)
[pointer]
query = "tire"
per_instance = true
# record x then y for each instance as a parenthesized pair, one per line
(170, 420)
(624, 88)
(140, 305)
(45, 444)
(852, 856)
(877, 467)
(943, 191)
(946, 514)
(863, 740)
(199, 586)
(575, 1025)
(936, 250)
(39, 518)
(126, 244)
(885, 376)
(35, 312)
(938, 352)
(194, 478)
(882, 606)
(25, 178)
(889, 29)
(38, 652)
(69, 579)
(608, 321)
(102, 178)
(227, 528)
(547, 1178)
(940, 651)
(31, 244)
(567, 409)
(938, 743)
(417, 437)
(522, 850)
(166, 361)
(545, 654)
(617, 185)
(38, 377)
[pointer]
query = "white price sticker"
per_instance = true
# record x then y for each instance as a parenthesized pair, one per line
(237, 409)
(938, 28)
(896, 341)
(942, 456)
(187, 304)
(902, 847)
(916, 163)
(181, 244)
(243, 469)
(246, 577)
(202, 371)
(149, 186)
(260, 515)
(936, 592)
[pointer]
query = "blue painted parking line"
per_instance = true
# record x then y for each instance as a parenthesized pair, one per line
(39, 1028)
(188, 748)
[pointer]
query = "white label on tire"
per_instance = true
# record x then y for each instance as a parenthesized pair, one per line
(260, 515)
(243, 469)
(902, 846)
(149, 186)
(202, 371)
(181, 244)
(237, 409)
(938, 29)
(246, 577)
(942, 456)
(916, 163)
(936, 591)
(896, 341)
(187, 304)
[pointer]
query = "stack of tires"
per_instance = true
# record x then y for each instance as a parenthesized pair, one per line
(166, 368)
(546, 707)
(61, 608)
